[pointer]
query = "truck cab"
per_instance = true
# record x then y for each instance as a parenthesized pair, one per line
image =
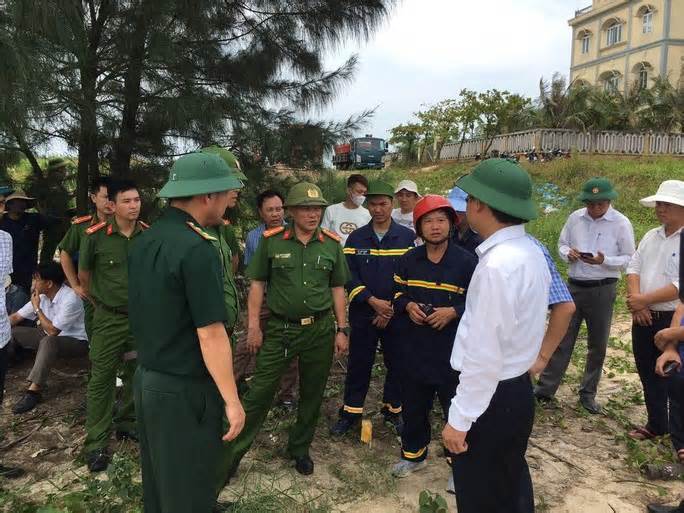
(360, 153)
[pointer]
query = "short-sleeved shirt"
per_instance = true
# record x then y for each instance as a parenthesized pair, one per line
(222, 235)
(342, 220)
(104, 252)
(299, 276)
(71, 242)
(65, 312)
(175, 287)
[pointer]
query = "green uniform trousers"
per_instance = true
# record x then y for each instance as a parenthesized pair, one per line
(88, 312)
(313, 345)
(180, 429)
(111, 339)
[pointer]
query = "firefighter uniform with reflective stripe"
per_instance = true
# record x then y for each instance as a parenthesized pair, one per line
(425, 351)
(372, 264)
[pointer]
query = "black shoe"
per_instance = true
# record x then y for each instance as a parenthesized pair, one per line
(590, 404)
(127, 435)
(289, 405)
(28, 401)
(98, 460)
(659, 508)
(395, 422)
(304, 465)
(345, 423)
(11, 472)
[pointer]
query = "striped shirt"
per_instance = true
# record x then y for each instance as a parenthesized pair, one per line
(5, 271)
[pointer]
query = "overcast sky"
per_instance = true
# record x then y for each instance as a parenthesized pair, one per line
(429, 50)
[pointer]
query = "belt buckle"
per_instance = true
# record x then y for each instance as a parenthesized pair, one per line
(306, 321)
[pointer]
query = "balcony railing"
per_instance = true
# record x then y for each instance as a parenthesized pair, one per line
(583, 11)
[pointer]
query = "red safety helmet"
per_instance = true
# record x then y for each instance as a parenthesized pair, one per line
(430, 203)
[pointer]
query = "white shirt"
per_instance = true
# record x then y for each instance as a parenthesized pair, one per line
(656, 261)
(611, 234)
(5, 271)
(504, 321)
(343, 220)
(65, 312)
(403, 219)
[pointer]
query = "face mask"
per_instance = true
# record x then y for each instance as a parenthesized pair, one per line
(358, 200)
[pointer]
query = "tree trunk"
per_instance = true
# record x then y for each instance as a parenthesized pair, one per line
(88, 166)
(460, 146)
(124, 144)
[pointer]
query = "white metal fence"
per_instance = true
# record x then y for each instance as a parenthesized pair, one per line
(604, 142)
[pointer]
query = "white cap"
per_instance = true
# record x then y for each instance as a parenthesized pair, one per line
(408, 185)
(670, 191)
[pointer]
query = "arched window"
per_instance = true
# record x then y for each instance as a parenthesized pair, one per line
(584, 36)
(613, 28)
(643, 72)
(611, 81)
(646, 12)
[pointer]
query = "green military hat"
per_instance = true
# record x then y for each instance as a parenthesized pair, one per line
(503, 185)
(230, 159)
(305, 194)
(199, 173)
(57, 163)
(597, 189)
(378, 188)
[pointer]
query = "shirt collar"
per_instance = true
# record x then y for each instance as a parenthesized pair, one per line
(661, 232)
(289, 234)
(502, 235)
(608, 216)
(58, 295)
(114, 228)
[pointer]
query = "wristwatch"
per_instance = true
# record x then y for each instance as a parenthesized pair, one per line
(346, 330)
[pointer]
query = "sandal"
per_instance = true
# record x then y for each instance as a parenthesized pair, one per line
(641, 433)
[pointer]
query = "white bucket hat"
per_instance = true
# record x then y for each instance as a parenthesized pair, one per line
(670, 191)
(408, 185)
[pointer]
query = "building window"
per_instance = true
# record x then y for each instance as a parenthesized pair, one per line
(611, 82)
(614, 33)
(642, 74)
(585, 43)
(647, 19)
(643, 78)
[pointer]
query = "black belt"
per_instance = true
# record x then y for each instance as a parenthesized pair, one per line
(302, 321)
(591, 283)
(111, 309)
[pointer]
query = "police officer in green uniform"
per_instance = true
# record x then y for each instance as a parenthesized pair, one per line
(103, 274)
(305, 270)
(184, 381)
(71, 243)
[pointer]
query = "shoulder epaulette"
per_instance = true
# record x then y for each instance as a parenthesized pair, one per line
(200, 232)
(96, 227)
(226, 222)
(81, 220)
(332, 235)
(144, 225)
(273, 231)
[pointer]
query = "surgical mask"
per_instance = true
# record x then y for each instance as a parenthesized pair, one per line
(358, 200)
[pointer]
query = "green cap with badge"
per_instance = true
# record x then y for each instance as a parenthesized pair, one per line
(199, 173)
(378, 188)
(230, 159)
(305, 194)
(502, 185)
(597, 189)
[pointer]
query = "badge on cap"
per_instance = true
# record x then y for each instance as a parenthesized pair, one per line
(312, 193)
(595, 190)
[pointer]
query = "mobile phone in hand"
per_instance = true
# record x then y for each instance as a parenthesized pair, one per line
(586, 255)
(428, 310)
(670, 368)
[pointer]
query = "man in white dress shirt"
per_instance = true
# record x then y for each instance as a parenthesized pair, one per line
(652, 290)
(60, 331)
(598, 242)
(498, 340)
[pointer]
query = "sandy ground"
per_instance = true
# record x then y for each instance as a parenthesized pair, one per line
(579, 462)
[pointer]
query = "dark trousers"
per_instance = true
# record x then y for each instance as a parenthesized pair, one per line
(180, 429)
(676, 390)
(492, 475)
(595, 306)
(417, 398)
(656, 388)
(363, 345)
(3, 371)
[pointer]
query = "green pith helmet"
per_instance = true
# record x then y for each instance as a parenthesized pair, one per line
(380, 189)
(229, 158)
(503, 185)
(597, 189)
(305, 194)
(57, 163)
(199, 173)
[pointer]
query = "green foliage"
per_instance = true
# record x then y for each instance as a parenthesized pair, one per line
(429, 502)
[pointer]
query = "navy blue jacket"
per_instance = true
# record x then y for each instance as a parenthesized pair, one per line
(372, 265)
(427, 351)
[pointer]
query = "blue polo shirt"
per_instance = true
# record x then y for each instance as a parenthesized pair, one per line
(427, 351)
(372, 264)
